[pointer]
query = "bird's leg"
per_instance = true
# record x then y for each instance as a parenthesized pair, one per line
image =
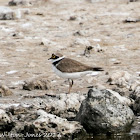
(70, 85)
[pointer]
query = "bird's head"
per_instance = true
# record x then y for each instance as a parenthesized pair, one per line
(56, 57)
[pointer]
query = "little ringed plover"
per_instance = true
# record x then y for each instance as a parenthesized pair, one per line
(70, 69)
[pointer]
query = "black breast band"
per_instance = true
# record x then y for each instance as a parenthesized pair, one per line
(56, 62)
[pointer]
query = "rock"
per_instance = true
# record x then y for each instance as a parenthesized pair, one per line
(72, 18)
(37, 83)
(6, 13)
(26, 2)
(96, 48)
(17, 2)
(120, 78)
(122, 99)
(47, 42)
(81, 33)
(28, 119)
(62, 105)
(18, 110)
(65, 105)
(5, 91)
(54, 126)
(135, 88)
(133, 0)
(136, 107)
(130, 19)
(103, 112)
(87, 50)
(131, 87)
(6, 123)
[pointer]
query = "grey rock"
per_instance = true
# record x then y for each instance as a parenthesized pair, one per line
(5, 91)
(130, 19)
(72, 18)
(124, 100)
(56, 127)
(6, 122)
(120, 78)
(6, 13)
(135, 95)
(17, 2)
(36, 83)
(33, 120)
(62, 105)
(133, 0)
(65, 105)
(26, 2)
(96, 48)
(103, 112)
(136, 106)
(135, 87)
(128, 84)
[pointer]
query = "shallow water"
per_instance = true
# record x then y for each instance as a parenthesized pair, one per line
(134, 134)
(115, 137)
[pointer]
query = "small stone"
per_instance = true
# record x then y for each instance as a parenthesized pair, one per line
(129, 19)
(87, 50)
(120, 78)
(37, 83)
(17, 2)
(136, 106)
(72, 18)
(5, 121)
(6, 13)
(5, 91)
(97, 48)
(133, 0)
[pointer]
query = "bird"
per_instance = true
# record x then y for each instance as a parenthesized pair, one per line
(70, 69)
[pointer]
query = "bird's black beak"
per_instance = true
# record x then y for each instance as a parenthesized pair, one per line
(50, 58)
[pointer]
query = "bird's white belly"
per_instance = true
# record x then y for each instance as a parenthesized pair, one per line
(74, 75)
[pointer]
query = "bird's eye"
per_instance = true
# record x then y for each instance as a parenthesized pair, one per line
(53, 56)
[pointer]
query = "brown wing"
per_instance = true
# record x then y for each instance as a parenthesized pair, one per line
(69, 65)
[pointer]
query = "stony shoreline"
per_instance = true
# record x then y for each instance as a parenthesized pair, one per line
(33, 100)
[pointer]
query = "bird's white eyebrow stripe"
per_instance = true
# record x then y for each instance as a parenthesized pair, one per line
(55, 62)
(58, 59)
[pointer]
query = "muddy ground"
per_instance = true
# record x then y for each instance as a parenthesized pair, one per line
(67, 27)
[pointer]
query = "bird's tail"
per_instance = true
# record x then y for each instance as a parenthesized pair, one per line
(97, 69)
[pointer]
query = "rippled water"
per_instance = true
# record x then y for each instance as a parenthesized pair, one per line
(115, 137)
(134, 134)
